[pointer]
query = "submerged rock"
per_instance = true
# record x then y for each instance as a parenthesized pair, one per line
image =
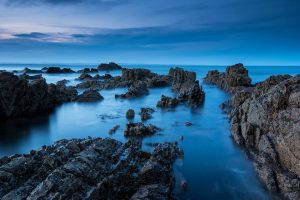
(31, 71)
(265, 121)
(90, 169)
(234, 78)
(89, 96)
(109, 67)
(140, 129)
(130, 114)
(114, 129)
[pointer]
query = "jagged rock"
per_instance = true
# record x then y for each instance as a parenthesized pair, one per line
(28, 77)
(234, 78)
(20, 97)
(265, 121)
(146, 113)
(140, 129)
(90, 169)
(130, 114)
(137, 89)
(88, 70)
(89, 96)
(60, 93)
(56, 70)
(181, 78)
(114, 129)
(109, 67)
(90, 84)
(159, 81)
(84, 76)
(31, 71)
(62, 82)
(192, 94)
(136, 74)
(167, 102)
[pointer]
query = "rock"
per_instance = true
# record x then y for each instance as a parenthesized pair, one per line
(60, 93)
(28, 77)
(159, 81)
(188, 124)
(84, 76)
(114, 129)
(146, 113)
(167, 102)
(183, 185)
(234, 78)
(88, 70)
(62, 82)
(136, 74)
(21, 97)
(140, 129)
(56, 70)
(137, 89)
(90, 84)
(130, 114)
(89, 96)
(90, 169)
(31, 71)
(192, 94)
(265, 121)
(109, 67)
(181, 78)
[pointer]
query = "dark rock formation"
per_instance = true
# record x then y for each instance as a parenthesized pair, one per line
(84, 76)
(140, 129)
(130, 114)
(159, 81)
(146, 113)
(167, 102)
(57, 70)
(20, 96)
(90, 169)
(109, 67)
(88, 70)
(31, 71)
(265, 121)
(136, 74)
(186, 87)
(90, 84)
(114, 129)
(235, 77)
(137, 89)
(89, 96)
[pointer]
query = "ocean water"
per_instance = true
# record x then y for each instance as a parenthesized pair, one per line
(213, 166)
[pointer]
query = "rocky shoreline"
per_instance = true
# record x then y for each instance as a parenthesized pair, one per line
(91, 168)
(265, 122)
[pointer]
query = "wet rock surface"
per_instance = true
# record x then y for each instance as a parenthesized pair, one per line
(265, 121)
(140, 129)
(57, 70)
(89, 96)
(130, 114)
(234, 78)
(90, 169)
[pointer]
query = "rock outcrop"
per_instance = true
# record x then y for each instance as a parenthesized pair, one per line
(265, 121)
(146, 113)
(57, 70)
(89, 96)
(90, 169)
(167, 102)
(109, 66)
(234, 78)
(140, 129)
(24, 97)
(137, 89)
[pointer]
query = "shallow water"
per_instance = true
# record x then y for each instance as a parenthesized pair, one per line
(212, 165)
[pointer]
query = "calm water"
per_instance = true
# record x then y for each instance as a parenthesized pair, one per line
(213, 166)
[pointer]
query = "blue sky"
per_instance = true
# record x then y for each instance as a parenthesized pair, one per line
(214, 32)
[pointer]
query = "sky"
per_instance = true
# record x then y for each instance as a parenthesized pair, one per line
(210, 32)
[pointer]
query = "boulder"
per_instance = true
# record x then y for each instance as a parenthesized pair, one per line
(167, 102)
(89, 96)
(130, 114)
(109, 67)
(140, 129)
(137, 89)
(146, 113)
(56, 70)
